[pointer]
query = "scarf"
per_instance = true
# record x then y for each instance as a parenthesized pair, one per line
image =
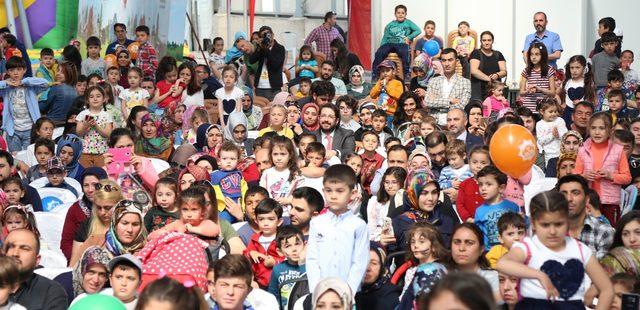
(198, 173)
(356, 69)
(337, 285)
(234, 52)
(316, 125)
(153, 146)
(418, 179)
(383, 277)
(111, 239)
(568, 134)
(75, 143)
(235, 119)
(423, 62)
(92, 255)
(169, 125)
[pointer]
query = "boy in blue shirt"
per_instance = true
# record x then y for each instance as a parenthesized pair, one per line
(56, 173)
(286, 274)
(492, 183)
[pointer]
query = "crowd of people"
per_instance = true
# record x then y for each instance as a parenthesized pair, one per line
(239, 184)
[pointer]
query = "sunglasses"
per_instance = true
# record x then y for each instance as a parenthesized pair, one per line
(70, 139)
(125, 203)
(107, 188)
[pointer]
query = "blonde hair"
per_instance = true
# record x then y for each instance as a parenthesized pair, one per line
(102, 194)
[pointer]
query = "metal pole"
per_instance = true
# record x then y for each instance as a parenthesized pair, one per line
(8, 5)
(26, 33)
(194, 33)
(245, 18)
(229, 38)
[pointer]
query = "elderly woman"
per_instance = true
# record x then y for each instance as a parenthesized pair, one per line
(358, 88)
(487, 65)
(152, 143)
(377, 291)
(89, 276)
(92, 230)
(126, 234)
(570, 143)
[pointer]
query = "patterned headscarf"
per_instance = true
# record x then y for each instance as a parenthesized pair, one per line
(423, 62)
(156, 145)
(111, 239)
(568, 134)
(417, 180)
(198, 173)
(92, 255)
(358, 69)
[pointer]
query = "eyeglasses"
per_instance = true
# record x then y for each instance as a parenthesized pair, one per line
(107, 188)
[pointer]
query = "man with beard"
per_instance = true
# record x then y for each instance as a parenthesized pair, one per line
(306, 203)
(550, 39)
(586, 228)
(436, 142)
(323, 35)
(457, 125)
(35, 291)
(337, 140)
(580, 118)
(326, 74)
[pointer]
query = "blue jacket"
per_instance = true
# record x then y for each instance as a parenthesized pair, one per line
(33, 86)
(58, 102)
(111, 49)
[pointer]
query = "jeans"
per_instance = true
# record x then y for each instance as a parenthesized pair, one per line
(19, 141)
(383, 51)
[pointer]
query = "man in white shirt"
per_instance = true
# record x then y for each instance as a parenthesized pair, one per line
(326, 74)
(449, 90)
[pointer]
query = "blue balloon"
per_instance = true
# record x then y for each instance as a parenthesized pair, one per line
(431, 47)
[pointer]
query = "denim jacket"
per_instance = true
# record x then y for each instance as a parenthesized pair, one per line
(33, 86)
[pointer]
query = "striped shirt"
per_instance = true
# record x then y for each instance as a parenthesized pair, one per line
(535, 78)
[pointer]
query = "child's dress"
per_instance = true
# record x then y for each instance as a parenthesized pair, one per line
(306, 72)
(164, 87)
(535, 78)
(566, 269)
(94, 143)
(491, 107)
(133, 98)
(550, 145)
(278, 184)
(228, 100)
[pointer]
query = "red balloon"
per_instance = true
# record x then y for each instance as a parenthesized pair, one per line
(513, 150)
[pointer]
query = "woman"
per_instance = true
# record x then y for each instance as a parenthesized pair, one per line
(92, 230)
(89, 276)
(310, 119)
(570, 143)
(69, 150)
(487, 65)
(476, 125)
(81, 209)
(192, 94)
(61, 96)
(134, 122)
(624, 254)
(126, 234)
(229, 235)
(343, 60)
(71, 54)
(152, 143)
(358, 88)
(332, 293)
(252, 112)
(423, 69)
(190, 175)
(377, 292)
(459, 291)
(209, 138)
(236, 132)
(124, 63)
(467, 254)
(407, 106)
(348, 106)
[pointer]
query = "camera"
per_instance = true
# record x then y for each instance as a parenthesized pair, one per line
(266, 40)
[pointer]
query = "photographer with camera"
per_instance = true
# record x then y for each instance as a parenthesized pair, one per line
(269, 55)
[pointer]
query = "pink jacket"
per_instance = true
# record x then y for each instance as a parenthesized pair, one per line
(492, 104)
(609, 191)
(147, 174)
(515, 189)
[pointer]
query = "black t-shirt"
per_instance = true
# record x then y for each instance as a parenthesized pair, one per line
(83, 231)
(488, 65)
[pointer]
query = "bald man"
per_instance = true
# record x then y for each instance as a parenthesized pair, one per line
(457, 125)
(35, 291)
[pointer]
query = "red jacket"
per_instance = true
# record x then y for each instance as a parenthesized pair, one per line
(262, 274)
(72, 222)
(469, 199)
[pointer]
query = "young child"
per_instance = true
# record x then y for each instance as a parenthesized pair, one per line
(549, 129)
(630, 75)
(190, 125)
(9, 282)
(125, 277)
(134, 95)
(228, 179)
(94, 125)
(307, 66)
(593, 206)
(47, 70)
(277, 118)
(615, 81)
(262, 249)
(457, 171)
(606, 60)
(492, 183)
(429, 34)
(622, 284)
(511, 228)
(618, 108)
(14, 189)
(44, 149)
(304, 139)
(81, 85)
(397, 37)
(379, 126)
(338, 243)
(428, 125)
(113, 77)
(496, 103)
(8, 44)
(538, 78)
(291, 245)
(469, 198)
(387, 203)
(147, 59)
(18, 217)
(21, 109)
(193, 209)
(281, 179)
(387, 89)
(304, 88)
(169, 90)
(536, 261)
(111, 106)
(56, 173)
(165, 210)
(579, 85)
(254, 195)
(464, 44)
(371, 160)
(604, 165)
(217, 55)
(311, 173)
(93, 63)
(230, 96)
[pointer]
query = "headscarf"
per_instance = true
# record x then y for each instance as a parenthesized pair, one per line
(235, 119)
(418, 179)
(201, 137)
(423, 62)
(234, 52)
(565, 156)
(169, 125)
(183, 153)
(198, 173)
(564, 138)
(247, 91)
(92, 255)
(383, 276)
(111, 240)
(358, 69)
(337, 285)
(153, 146)
(280, 98)
(186, 117)
(75, 143)
(315, 126)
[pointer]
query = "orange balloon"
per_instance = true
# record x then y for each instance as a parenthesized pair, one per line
(133, 50)
(111, 60)
(513, 150)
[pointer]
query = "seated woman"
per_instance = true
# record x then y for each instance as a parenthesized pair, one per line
(69, 150)
(126, 234)
(358, 88)
(624, 254)
(152, 143)
(89, 276)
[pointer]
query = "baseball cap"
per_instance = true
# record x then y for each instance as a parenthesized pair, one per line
(55, 163)
(125, 258)
(387, 64)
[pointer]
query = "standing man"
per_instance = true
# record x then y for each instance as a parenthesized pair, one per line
(337, 140)
(323, 35)
(448, 91)
(550, 39)
(269, 56)
(121, 39)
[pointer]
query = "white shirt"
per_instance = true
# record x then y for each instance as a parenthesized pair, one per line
(351, 125)
(577, 86)
(544, 134)
(463, 136)
(447, 86)
(266, 241)
(197, 99)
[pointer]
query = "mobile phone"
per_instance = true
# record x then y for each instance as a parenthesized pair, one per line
(630, 301)
(387, 226)
(121, 154)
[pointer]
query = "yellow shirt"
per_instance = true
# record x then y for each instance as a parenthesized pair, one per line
(496, 252)
(286, 131)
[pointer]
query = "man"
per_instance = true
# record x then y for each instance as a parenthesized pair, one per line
(397, 156)
(121, 39)
(23, 50)
(321, 92)
(306, 203)
(35, 291)
(269, 56)
(586, 228)
(337, 140)
(323, 35)
(208, 83)
(6, 170)
(436, 142)
(457, 125)
(550, 39)
(580, 118)
(326, 74)
(232, 281)
(449, 90)
(262, 159)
